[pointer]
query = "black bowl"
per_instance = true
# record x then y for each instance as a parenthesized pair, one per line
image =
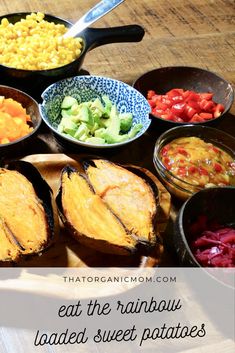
(188, 78)
(17, 147)
(215, 203)
(35, 81)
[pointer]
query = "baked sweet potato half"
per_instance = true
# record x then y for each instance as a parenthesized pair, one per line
(26, 213)
(129, 196)
(108, 207)
(89, 219)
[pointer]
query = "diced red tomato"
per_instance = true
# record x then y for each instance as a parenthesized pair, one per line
(213, 148)
(206, 116)
(178, 120)
(166, 162)
(151, 103)
(182, 151)
(150, 94)
(169, 116)
(165, 150)
(178, 108)
(196, 119)
(194, 105)
(181, 171)
(186, 94)
(218, 168)
(156, 98)
(189, 112)
(208, 96)
(175, 92)
(193, 96)
(167, 101)
(218, 110)
(206, 105)
(157, 112)
(161, 105)
(184, 106)
(203, 171)
(177, 99)
(192, 169)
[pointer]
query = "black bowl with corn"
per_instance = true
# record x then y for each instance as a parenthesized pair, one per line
(34, 54)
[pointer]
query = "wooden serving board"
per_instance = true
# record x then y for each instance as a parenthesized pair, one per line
(67, 252)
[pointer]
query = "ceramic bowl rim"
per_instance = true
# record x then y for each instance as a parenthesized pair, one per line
(85, 144)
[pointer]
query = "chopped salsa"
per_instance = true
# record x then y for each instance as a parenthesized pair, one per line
(199, 163)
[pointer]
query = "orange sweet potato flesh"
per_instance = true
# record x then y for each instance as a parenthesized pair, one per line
(22, 216)
(129, 196)
(91, 221)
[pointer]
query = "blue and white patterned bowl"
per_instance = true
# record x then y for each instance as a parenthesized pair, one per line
(86, 88)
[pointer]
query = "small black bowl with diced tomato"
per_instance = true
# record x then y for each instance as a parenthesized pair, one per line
(180, 95)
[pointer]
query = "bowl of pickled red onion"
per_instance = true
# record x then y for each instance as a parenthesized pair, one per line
(204, 231)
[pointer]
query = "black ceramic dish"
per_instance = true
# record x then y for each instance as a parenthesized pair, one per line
(35, 81)
(189, 78)
(32, 109)
(216, 203)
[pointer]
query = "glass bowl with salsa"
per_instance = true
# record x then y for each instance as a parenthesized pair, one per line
(191, 158)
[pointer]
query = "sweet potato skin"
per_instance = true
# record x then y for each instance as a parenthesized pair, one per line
(39, 195)
(140, 245)
(98, 244)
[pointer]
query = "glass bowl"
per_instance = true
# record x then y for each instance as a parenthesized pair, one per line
(177, 186)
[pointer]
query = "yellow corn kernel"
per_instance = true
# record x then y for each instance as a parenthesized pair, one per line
(34, 43)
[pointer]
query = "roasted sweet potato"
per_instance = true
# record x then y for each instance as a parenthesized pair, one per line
(108, 207)
(89, 218)
(129, 196)
(26, 215)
